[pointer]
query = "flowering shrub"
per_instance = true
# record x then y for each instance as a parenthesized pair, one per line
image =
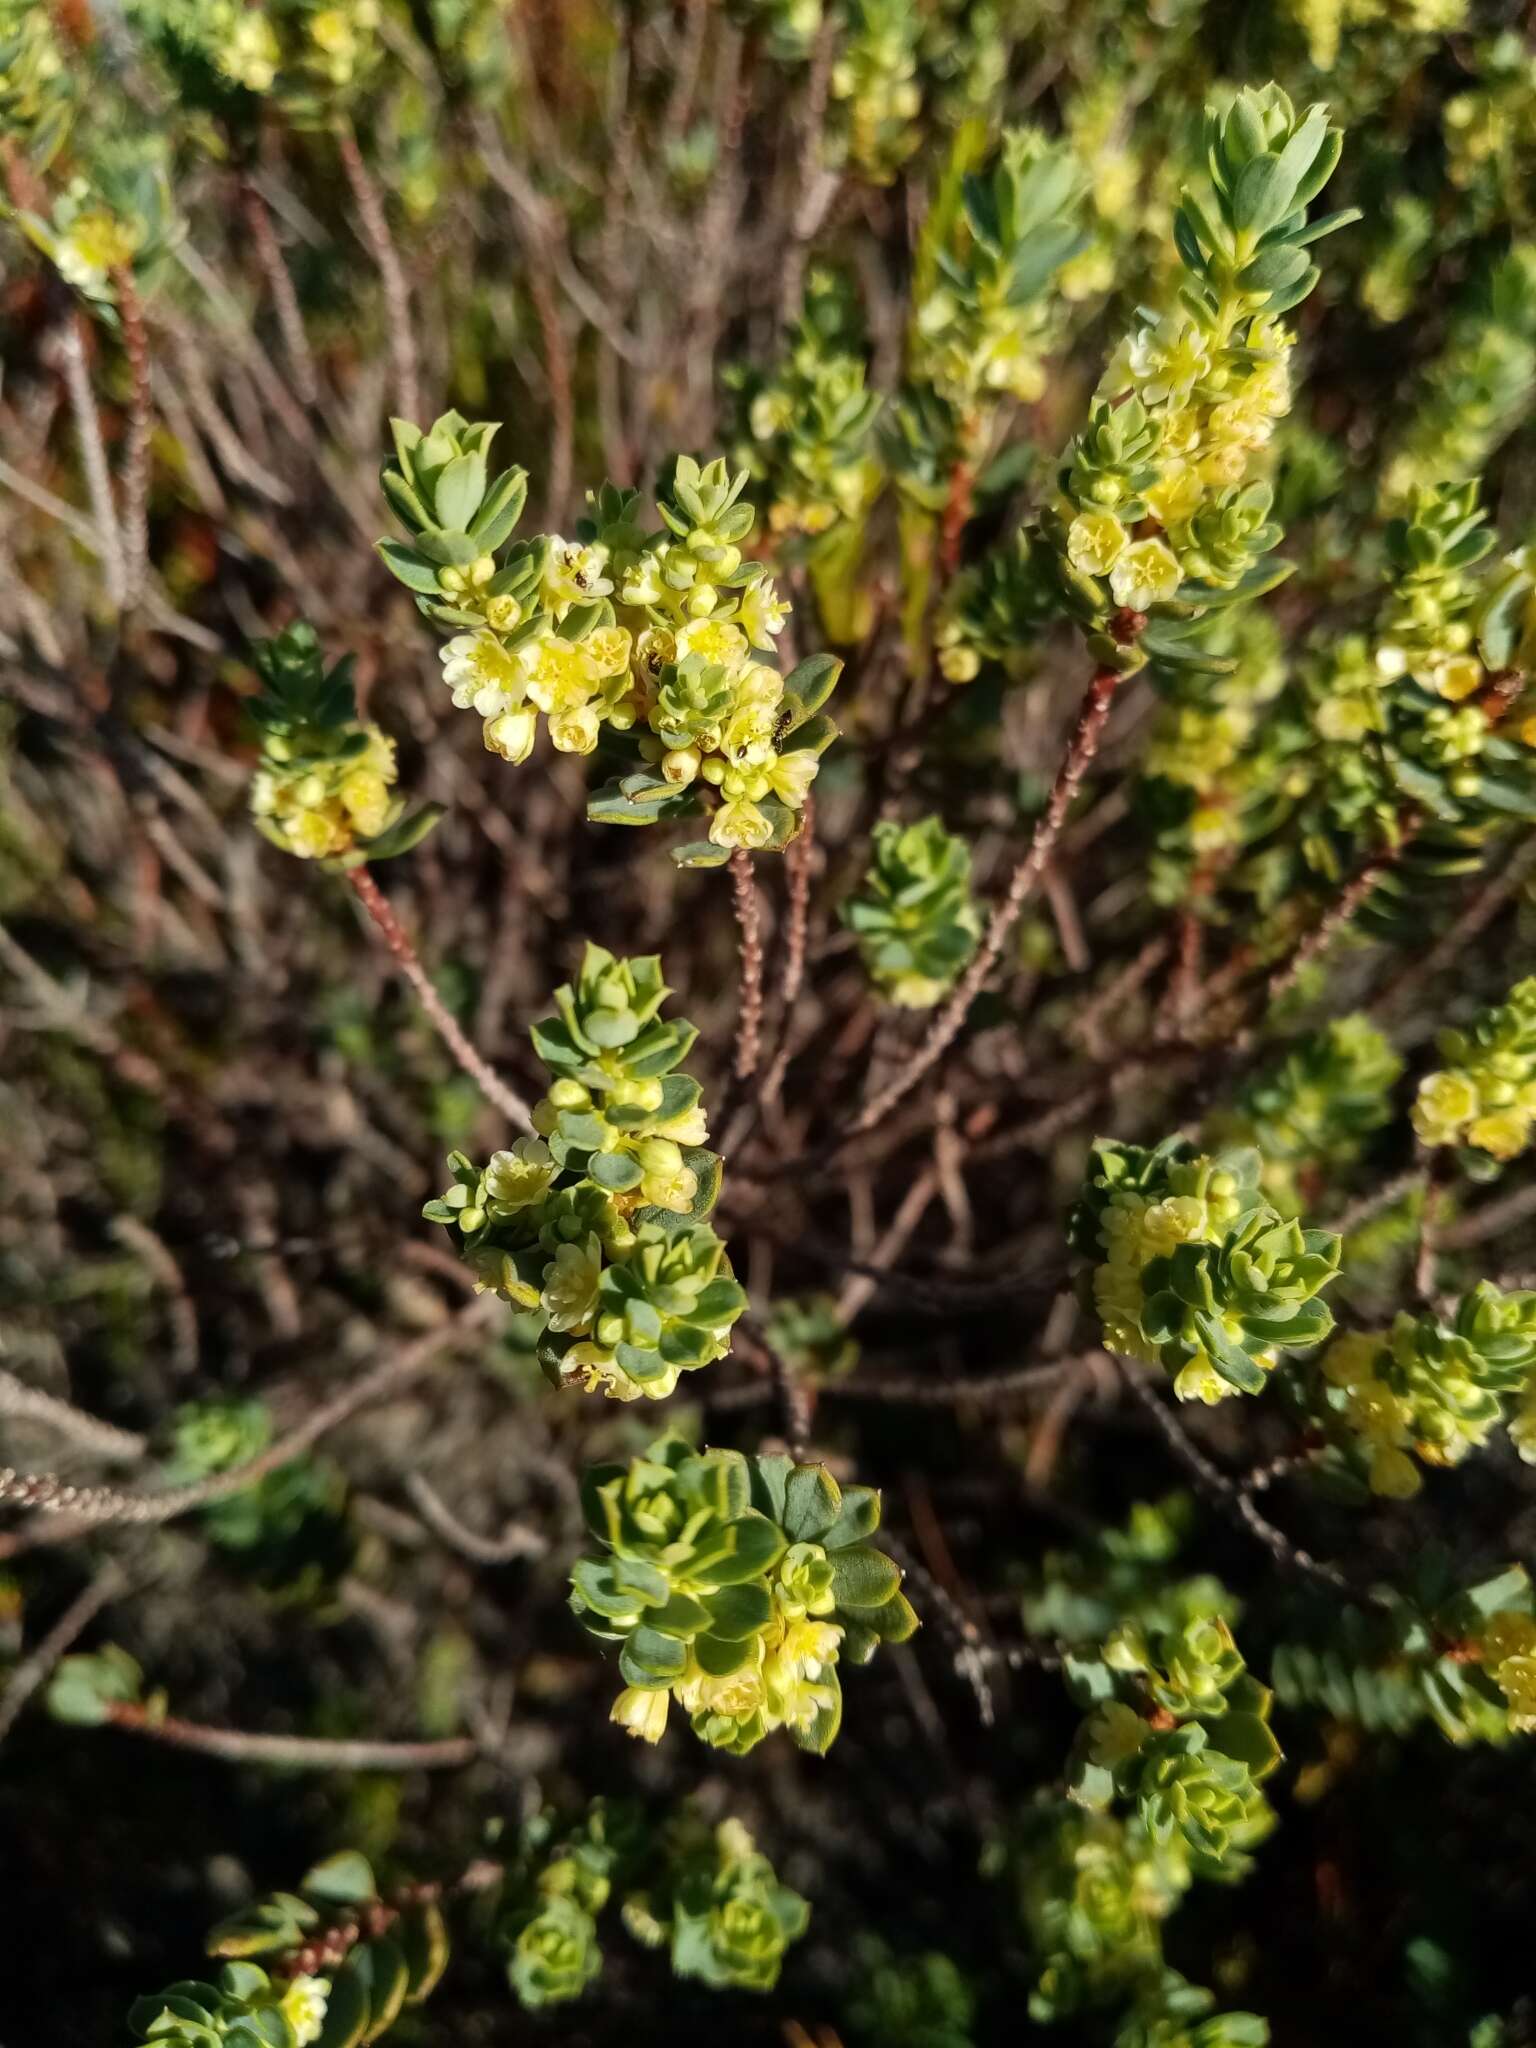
(597, 1224)
(735, 1587)
(1120, 419)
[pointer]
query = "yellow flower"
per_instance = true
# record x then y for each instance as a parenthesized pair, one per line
(511, 735)
(1445, 1104)
(1453, 676)
(739, 822)
(667, 1182)
(790, 776)
(251, 54)
(1503, 1132)
(713, 640)
(573, 573)
(643, 1714)
(607, 651)
(482, 673)
(303, 2007)
(569, 1297)
(1168, 359)
(1176, 494)
(1095, 542)
(1146, 574)
(762, 612)
(575, 731)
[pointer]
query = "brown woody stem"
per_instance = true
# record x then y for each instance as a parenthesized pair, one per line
(489, 1082)
(1081, 748)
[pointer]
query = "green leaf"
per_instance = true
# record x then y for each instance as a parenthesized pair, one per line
(862, 1577)
(404, 834)
(345, 1879)
(409, 568)
(424, 1942)
(811, 1503)
(346, 2012)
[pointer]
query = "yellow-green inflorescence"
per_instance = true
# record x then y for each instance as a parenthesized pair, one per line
(1484, 1098)
(658, 642)
(1164, 503)
(1194, 1270)
(734, 1586)
(1433, 1387)
(916, 919)
(324, 785)
(597, 1225)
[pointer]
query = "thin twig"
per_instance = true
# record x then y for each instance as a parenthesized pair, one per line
(1228, 1494)
(135, 528)
(81, 1507)
(946, 1027)
(37, 1668)
(514, 1541)
(490, 1083)
(381, 246)
(24, 1403)
(293, 1752)
(73, 359)
(285, 299)
(749, 924)
(1479, 913)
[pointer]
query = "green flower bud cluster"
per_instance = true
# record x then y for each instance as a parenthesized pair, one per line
(1426, 630)
(598, 1223)
(1484, 1098)
(1477, 389)
(1092, 1890)
(985, 326)
(1120, 1576)
(995, 611)
(734, 1586)
(1490, 134)
(114, 214)
(324, 785)
(1194, 1270)
(1180, 1728)
(813, 1340)
(1433, 1388)
(916, 919)
(1163, 507)
(704, 1893)
(339, 1964)
(288, 1530)
(243, 2007)
(547, 1918)
(912, 2001)
(682, 679)
(36, 89)
(85, 1690)
(1463, 1658)
(1311, 1115)
(719, 1908)
(1177, 2014)
(875, 94)
(810, 434)
(312, 56)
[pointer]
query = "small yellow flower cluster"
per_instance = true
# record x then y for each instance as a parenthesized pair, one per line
(303, 2006)
(318, 808)
(1486, 1097)
(788, 1677)
(1136, 1228)
(330, 44)
(1508, 1644)
(576, 682)
(1379, 1417)
(1212, 397)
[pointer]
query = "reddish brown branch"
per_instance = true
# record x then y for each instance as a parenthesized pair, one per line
(1081, 748)
(473, 1063)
